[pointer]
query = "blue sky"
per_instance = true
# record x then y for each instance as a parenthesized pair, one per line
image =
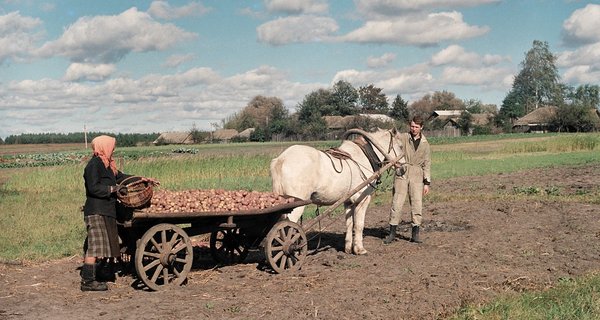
(153, 66)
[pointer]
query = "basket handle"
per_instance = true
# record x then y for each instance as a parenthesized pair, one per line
(129, 178)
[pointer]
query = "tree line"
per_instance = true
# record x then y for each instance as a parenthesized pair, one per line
(536, 85)
(123, 139)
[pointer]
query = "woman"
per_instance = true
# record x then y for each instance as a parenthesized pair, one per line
(100, 214)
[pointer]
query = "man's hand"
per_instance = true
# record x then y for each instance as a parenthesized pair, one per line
(425, 189)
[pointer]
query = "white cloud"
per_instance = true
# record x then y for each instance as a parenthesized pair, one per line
(107, 39)
(582, 65)
(163, 10)
(583, 25)
(149, 104)
(178, 59)
(297, 6)
(412, 80)
(585, 55)
(381, 61)
(379, 8)
(304, 28)
(489, 77)
(420, 30)
(17, 36)
(457, 55)
(88, 71)
(582, 74)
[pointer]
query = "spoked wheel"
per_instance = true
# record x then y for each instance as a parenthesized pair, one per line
(286, 246)
(229, 246)
(164, 256)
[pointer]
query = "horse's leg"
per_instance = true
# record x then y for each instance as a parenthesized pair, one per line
(359, 225)
(296, 213)
(349, 212)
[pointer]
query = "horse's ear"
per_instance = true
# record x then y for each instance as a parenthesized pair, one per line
(394, 130)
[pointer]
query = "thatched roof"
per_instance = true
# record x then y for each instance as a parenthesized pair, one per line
(539, 116)
(246, 133)
(480, 119)
(175, 138)
(224, 134)
(343, 122)
(337, 122)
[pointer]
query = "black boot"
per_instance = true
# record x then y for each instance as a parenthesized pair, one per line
(415, 235)
(88, 279)
(390, 236)
(105, 271)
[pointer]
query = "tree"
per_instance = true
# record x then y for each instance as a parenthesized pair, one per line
(399, 110)
(440, 100)
(373, 100)
(465, 122)
(197, 135)
(279, 121)
(578, 112)
(535, 85)
(344, 98)
(255, 114)
(587, 95)
(310, 112)
(445, 100)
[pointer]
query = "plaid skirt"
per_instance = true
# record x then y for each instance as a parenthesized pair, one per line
(102, 237)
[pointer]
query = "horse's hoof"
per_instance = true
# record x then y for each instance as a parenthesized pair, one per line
(361, 252)
(348, 250)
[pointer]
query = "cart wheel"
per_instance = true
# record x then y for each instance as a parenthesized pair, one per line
(229, 246)
(286, 246)
(164, 256)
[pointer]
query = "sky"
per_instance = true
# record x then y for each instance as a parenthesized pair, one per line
(155, 66)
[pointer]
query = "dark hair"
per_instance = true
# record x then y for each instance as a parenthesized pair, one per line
(417, 120)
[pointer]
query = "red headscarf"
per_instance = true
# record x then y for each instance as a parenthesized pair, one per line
(103, 147)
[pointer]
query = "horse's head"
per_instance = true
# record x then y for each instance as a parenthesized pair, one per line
(388, 143)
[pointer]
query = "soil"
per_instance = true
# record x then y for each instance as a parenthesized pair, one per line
(480, 241)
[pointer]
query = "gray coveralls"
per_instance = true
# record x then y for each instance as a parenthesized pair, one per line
(410, 179)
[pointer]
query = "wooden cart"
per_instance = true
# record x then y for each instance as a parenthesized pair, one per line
(161, 250)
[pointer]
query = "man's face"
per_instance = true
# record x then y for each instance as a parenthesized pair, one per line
(415, 129)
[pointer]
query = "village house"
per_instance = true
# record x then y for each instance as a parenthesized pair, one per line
(174, 138)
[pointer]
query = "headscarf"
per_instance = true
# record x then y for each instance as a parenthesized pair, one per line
(103, 147)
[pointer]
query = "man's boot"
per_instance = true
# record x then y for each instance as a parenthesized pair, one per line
(415, 235)
(390, 236)
(88, 279)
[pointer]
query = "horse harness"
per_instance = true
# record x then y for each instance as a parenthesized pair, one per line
(366, 148)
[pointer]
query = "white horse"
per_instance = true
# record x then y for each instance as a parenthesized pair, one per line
(307, 173)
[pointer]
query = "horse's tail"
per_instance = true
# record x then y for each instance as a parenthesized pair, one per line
(276, 173)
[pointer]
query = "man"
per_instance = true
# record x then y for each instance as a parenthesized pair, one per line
(412, 179)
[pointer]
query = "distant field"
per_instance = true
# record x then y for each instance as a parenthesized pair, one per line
(15, 149)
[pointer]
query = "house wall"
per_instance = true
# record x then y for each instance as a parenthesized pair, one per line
(448, 131)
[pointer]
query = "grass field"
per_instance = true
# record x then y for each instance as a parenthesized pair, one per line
(40, 206)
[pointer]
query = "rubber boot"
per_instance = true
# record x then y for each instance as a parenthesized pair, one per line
(105, 271)
(88, 279)
(415, 235)
(391, 236)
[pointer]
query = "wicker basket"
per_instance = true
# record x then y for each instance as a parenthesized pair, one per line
(135, 193)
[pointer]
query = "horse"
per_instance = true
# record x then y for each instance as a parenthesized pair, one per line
(320, 176)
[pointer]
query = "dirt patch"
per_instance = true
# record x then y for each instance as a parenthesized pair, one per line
(473, 251)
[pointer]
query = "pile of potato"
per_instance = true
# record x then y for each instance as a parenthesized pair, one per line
(213, 200)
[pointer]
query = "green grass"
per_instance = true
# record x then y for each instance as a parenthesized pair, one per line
(40, 215)
(40, 207)
(570, 299)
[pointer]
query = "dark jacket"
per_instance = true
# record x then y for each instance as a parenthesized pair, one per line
(98, 180)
